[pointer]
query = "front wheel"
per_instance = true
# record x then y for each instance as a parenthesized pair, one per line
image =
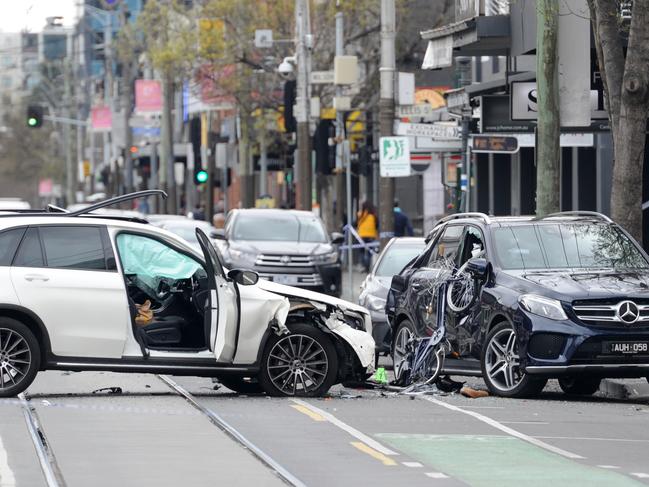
(501, 368)
(301, 363)
(20, 357)
(583, 386)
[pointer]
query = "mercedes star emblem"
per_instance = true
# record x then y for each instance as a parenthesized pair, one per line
(285, 259)
(628, 312)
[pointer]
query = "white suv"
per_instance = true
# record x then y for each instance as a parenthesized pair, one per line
(76, 289)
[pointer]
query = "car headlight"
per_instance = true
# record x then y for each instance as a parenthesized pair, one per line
(374, 303)
(242, 257)
(541, 306)
(328, 258)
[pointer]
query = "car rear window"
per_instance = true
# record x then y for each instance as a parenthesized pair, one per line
(9, 241)
(555, 246)
(73, 247)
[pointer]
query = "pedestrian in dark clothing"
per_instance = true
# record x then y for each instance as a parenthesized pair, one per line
(402, 226)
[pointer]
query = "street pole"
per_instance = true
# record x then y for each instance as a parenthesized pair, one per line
(302, 101)
(70, 169)
(263, 156)
(153, 182)
(464, 68)
(386, 113)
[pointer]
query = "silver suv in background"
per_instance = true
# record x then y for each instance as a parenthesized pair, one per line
(284, 246)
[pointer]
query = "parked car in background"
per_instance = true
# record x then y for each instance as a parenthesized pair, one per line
(63, 272)
(7, 204)
(186, 228)
(284, 246)
(374, 289)
(564, 296)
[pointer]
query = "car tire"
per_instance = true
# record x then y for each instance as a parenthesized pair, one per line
(583, 386)
(405, 331)
(500, 365)
(302, 363)
(20, 357)
(241, 385)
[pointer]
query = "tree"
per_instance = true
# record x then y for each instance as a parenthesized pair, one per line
(169, 40)
(548, 127)
(626, 86)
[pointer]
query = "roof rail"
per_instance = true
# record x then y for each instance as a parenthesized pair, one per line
(591, 214)
(457, 216)
(55, 211)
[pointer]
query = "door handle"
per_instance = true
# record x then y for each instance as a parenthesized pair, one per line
(36, 277)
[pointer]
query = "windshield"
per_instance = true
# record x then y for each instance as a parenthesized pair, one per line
(289, 228)
(396, 258)
(547, 246)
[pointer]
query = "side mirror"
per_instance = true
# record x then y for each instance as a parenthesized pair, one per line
(398, 283)
(478, 268)
(337, 238)
(245, 278)
(218, 234)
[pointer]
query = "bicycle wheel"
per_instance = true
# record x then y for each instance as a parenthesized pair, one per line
(461, 292)
(435, 363)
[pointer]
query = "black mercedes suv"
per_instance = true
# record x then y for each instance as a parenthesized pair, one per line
(286, 246)
(564, 296)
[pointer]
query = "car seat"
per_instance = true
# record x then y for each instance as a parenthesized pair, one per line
(162, 331)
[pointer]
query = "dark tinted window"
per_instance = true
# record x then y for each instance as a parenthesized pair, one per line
(30, 253)
(447, 246)
(73, 247)
(9, 241)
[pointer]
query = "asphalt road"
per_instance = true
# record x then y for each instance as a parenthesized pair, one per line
(71, 431)
(149, 434)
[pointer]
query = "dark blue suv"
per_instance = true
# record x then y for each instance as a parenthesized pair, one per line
(564, 296)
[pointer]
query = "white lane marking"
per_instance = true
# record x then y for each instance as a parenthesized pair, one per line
(641, 475)
(506, 429)
(581, 438)
(7, 478)
(436, 475)
(610, 467)
(345, 427)
(523, 422)
(412, 464)
(484, 407)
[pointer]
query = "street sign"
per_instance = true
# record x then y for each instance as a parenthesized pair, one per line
(394, 157)
(494, 144)
(322, 77)
(456, 100)
(440, 131)
(263, 38)
(524, 102)
(420, 110)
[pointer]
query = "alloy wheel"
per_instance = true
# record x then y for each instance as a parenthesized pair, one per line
(297, 365)
(502, 360)
(15, 358)
(400, 352)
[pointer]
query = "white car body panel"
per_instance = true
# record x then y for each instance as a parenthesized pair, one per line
(84, 311)
(7, 291)
(224, 320)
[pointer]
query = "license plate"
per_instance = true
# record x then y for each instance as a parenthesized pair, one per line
(287, 280)
(625, 348)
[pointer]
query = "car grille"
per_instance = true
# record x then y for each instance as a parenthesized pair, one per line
(283, 260)
(606, 312)
(302, 279)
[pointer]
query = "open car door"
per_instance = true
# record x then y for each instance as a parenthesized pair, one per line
(223, 328)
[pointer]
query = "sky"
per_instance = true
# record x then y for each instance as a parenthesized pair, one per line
(30, 14)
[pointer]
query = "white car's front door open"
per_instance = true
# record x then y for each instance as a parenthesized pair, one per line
(224, 305)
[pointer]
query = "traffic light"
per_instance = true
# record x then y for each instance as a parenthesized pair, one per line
(200, 176)
(34, 116)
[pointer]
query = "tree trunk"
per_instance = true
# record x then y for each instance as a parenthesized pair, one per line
(548, 128)
(166, 173)
(246, 178)
(626, 195)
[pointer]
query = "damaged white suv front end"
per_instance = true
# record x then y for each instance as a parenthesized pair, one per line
(290, 311)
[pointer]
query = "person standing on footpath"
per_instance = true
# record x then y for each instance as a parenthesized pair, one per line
(367, 227)
(402, 225)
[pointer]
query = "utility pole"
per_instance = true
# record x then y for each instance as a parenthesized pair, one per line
(464, 68)
(127, 97)
(340, 130)
(386, 113)
(302, 100)
(166, 172)
(70, 169)
(548, 126)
